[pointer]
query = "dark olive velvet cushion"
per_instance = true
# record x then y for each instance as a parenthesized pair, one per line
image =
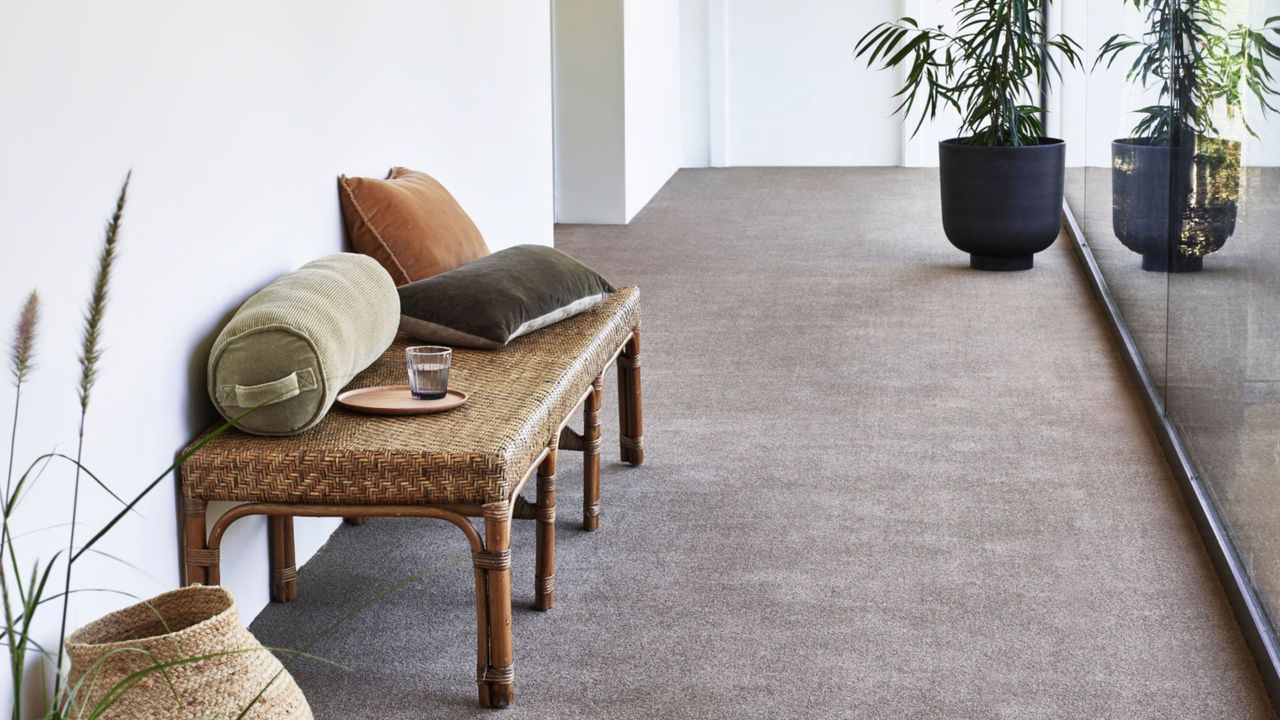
(489, 302)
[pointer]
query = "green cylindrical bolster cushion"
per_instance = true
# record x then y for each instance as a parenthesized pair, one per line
(278, 366)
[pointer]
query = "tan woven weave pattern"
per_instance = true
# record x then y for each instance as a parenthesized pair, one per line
(237, 672)
(476, 454)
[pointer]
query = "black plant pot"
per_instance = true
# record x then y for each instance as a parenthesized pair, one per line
(1002, 205)
(1174, 206)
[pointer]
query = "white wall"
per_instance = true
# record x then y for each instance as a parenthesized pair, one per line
(695, 88)
(1098, 103)
(652, 85)
(236, 117)
(791, 91)
(617, 98)
(770, 83)
(590, 124)
(796, 95)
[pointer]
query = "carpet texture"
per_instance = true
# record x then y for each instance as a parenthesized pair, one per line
(878, 485)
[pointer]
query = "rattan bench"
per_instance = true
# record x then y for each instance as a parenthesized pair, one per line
(470, 462)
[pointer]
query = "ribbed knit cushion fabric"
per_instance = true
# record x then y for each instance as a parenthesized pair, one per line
(279, 364)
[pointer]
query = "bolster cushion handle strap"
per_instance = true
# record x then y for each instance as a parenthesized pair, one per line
(268, 393)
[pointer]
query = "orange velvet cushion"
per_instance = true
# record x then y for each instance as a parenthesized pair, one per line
(409, 223)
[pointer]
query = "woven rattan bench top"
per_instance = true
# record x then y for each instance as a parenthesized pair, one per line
(475, 454)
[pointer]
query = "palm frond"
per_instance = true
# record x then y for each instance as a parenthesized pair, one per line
(1195, 63)
(988, 69)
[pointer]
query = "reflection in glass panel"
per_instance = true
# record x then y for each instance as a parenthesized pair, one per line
(1123, 196)
(1178, 192)
(1223, 366)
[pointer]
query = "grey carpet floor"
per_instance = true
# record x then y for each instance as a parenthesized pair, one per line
(878, 485)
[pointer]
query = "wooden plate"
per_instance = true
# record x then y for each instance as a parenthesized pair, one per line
(397, 400)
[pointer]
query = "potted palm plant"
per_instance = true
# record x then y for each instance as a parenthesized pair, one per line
(1176, 179)
(1002, 178)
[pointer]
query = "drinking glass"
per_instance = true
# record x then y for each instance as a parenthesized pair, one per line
(428, 367)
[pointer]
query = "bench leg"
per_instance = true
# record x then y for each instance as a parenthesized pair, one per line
(630, 407)
(495, 671)
(284, 564)
(544, 593)
(199, 564)
(591, 455)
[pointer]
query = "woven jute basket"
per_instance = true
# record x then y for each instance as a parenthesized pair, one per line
(194, 622)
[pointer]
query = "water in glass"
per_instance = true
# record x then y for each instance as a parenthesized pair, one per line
(428, 371)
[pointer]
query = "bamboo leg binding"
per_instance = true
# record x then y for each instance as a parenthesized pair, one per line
(495, 672)
(544, 596)
(630, 407)
(591, 455)
(199, 563)
(284, 565)
(194, 533)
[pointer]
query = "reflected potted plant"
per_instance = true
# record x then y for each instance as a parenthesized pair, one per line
(1176, 180)
(1002, 178)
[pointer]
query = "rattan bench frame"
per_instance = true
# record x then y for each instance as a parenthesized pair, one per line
(200, 542)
